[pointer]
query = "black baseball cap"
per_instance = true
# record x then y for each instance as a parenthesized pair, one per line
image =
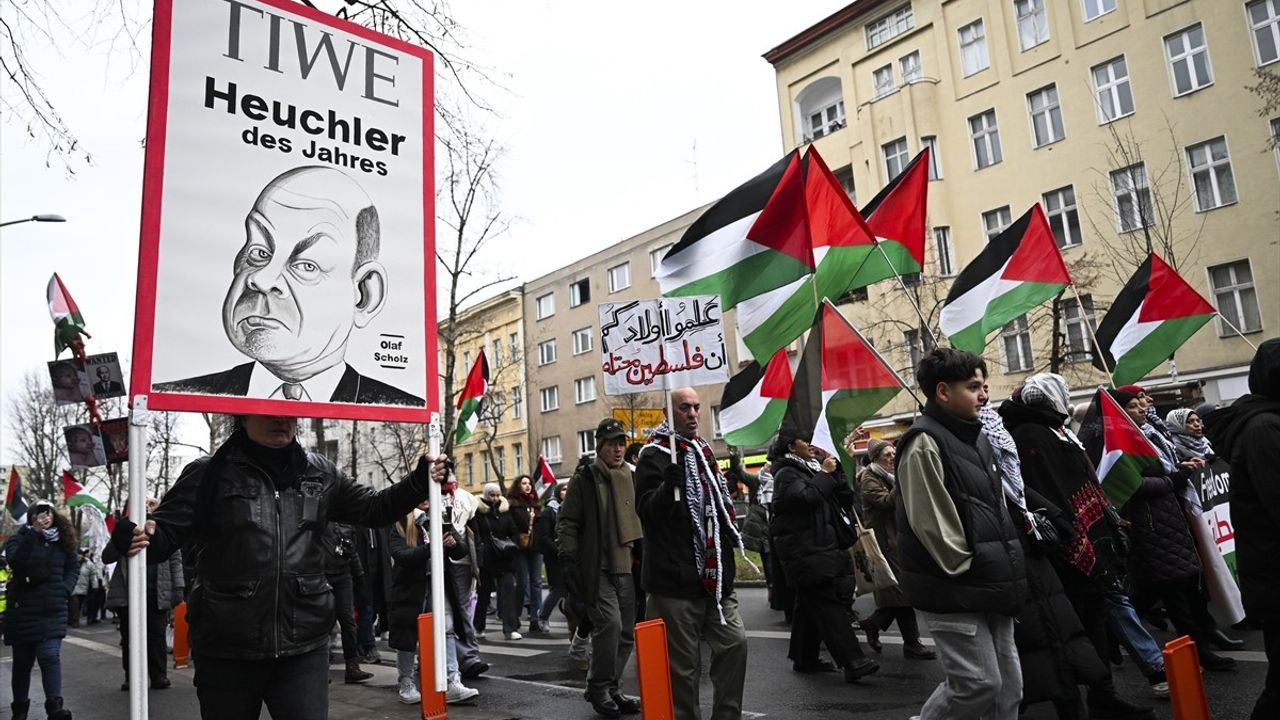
(609, 429)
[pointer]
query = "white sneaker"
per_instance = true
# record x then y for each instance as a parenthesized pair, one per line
(409, 694)
(513, 636)
(459, 693)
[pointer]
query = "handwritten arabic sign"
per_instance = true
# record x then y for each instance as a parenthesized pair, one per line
(662, 344)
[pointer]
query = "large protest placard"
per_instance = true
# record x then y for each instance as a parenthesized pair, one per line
(286, 262)
(662, 344)
(1216, 540)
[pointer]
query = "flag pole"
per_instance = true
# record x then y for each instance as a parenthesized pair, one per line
(435, 530)
(933, 337)
(1097, 346)
(1238, 333)
(671, 424)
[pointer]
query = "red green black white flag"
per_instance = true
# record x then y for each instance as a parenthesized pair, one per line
(897, 218)
(472, 398)
(755, 400)
(74, 494)
(14, 499)
(1154, 314)
(543, 477)
(1118, 449)
(68, 324)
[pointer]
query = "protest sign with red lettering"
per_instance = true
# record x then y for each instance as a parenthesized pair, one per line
(662, 344)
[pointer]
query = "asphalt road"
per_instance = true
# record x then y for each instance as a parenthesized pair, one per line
(532, 679)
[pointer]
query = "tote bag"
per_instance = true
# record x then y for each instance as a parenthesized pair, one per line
(870, 568)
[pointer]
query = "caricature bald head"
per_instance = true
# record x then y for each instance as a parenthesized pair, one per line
(307, 274)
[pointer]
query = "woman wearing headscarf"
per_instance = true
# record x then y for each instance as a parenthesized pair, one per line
(42, 556)
(1187, 432)
(879, 489)
(812, 534)
(1087, 561)
(1164, 565)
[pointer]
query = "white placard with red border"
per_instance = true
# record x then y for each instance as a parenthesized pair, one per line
(286, 264)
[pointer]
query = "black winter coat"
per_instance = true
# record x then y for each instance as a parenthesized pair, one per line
(43, 577)
(811, 529)
(1163, 549)
(410, 573)
(490, 522)
(257, 549)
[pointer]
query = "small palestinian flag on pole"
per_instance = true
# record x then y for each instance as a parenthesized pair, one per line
(74, 494)
(755, 400)
(1117, 448)
(841, 381)
(897, 218)
(472, 398)
(14, 499)
(543, 477)
(1019, 269)
(1154, 314)
(67, 321)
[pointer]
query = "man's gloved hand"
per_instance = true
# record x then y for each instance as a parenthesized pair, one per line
(569, 574)
(435, 469)
(674, 475)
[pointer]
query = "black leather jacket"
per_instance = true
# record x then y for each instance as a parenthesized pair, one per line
(259, 554)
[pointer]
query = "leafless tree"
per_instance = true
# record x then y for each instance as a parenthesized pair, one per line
(36, 423)
(630, 406)
(394, 447)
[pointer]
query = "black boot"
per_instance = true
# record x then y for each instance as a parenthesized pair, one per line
(354, 674)
(54, 710)
(860, 669)
(1105, 704)
(1222, 641)
(602, 703)
(20, 709)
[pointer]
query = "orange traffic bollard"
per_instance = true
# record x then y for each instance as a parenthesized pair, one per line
(181, 648)
(654, 671)
(433, 707)
(1186, 684)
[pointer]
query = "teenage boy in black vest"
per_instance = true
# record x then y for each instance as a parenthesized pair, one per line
(962, 564)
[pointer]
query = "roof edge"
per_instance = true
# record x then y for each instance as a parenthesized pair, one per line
(821, 29)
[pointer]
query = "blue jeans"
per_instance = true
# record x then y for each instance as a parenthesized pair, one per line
(1124, 623)
(528, 567)
(49, 654)
(364, 629)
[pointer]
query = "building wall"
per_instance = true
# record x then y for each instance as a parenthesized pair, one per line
(1160, 129)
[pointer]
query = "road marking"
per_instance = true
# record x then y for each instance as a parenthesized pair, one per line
(112, 650)
(578, 691)
(526, 641)
(784, 635)
(512, 651)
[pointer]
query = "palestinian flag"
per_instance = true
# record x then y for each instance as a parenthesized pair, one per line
(1155, 312)
(14, 499)
(1019, 269)
(841, 382)
(543, 477)
(471, 399)
(74, 494)
(68, 324)
(751, 241)
(896, 216)
(1118, 449)
(755, 400)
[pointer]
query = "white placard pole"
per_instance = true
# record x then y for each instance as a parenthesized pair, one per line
(438, 602)
(137, 565)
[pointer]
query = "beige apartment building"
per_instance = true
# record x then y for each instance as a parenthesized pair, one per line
(498, 449)
(1128, 120)
(566, 397)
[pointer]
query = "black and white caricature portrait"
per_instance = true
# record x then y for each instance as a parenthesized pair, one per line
(104, 374)
(70, 383)
(305, 280)
(84, 447)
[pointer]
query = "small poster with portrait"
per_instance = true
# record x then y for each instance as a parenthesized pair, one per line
(105, 378)
(287, 262)
(70, 383)
(115, 439)
(84, 447)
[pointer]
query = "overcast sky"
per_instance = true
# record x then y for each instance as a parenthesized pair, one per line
(615, 118)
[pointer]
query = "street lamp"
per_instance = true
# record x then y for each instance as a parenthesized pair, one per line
(36, 218)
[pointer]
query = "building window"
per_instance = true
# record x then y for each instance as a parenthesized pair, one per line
(497, 353)
(995, 221)
(845, 177)
(484, 464)
(1094, 9)
(466, 363)
(517, 402)
(716, 430)
(1188, 60)
(1211, 174)
(819, 109)
(545, 306)
(1077, 334)
(986, 139)
(1133, 198)
(890, 26)
(1111, 83)
(935, 158)
(470, 462)
(514, 341)
(517, 458)
(547, 352)
(1016, 340)
(912, 71)
(942, 241)
(584, 390)
(914, 348)
(655, 259)
(579, 292)
(1060, 209)
(1235, 297)
(586, 443)
(1033, 23)
(550, 398)
(1046, 116)
(1264, 20)
(973, 48)
(619, 277)
(500, 457)
(1275, 139)
(896, 157)
(826, 120)
(883, 80)
(551, 449)
(581, 341)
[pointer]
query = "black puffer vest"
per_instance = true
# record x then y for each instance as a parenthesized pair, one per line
(996, 579)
